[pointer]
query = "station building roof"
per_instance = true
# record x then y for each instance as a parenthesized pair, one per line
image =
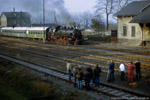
(16, 14)
(139, 10)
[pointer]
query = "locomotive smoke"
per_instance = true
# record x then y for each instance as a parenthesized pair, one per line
(35, 8)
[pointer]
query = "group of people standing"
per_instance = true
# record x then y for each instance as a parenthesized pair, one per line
(122, 67)
(88, 75)
(91, 76)
(131, 68)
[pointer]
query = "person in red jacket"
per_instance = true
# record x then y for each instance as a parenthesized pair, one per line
(131, 68)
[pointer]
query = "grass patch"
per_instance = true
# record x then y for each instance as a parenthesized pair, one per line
(16, 81)
(9, 93)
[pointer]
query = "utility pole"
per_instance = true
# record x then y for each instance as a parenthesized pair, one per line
(43, 21)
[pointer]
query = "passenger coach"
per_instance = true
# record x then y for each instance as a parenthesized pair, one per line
(26, 32)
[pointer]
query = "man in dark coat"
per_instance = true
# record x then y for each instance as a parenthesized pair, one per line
(110, 76)
(97, 72)
(138, 69)
(87, 78)
(91, 74)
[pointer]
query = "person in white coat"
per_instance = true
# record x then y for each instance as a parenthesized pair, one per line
(122, 69)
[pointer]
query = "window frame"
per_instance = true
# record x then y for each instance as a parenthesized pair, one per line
(133, 31)
(124, 30)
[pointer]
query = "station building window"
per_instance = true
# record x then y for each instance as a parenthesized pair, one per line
(124, 30)
(133, 31)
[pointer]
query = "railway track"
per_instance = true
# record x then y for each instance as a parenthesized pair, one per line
(109, 53)
(87, 53)
(109, 90)
(63, 59)
(138, 51)
(104, 52)
(96, 55)
(85, 56)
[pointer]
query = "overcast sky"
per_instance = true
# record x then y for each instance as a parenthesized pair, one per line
(63, 8)
(76, 6)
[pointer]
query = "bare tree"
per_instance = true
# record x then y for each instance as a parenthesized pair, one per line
(87, 16)
(122, 3)
(107, 7)
(77, 20)
(82, 19)
(97, 23)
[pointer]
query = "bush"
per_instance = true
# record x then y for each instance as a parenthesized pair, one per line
(2, 70)
(42, 88)
(22, 80)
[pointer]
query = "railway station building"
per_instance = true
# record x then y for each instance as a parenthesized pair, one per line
(134, 23)
(12, 19)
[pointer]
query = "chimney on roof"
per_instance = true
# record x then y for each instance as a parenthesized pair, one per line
(13, 9)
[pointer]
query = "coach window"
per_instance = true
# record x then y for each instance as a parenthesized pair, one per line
(133, 31)
(124, 30)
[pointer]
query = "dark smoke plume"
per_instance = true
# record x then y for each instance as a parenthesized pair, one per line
(35, 8)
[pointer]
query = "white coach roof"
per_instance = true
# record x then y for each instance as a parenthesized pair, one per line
(23, 28)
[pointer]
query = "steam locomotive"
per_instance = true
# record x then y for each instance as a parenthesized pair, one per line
(58, 34)
(65, 35)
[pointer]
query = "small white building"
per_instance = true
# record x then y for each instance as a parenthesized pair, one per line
(10, 19)
(134, 22)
